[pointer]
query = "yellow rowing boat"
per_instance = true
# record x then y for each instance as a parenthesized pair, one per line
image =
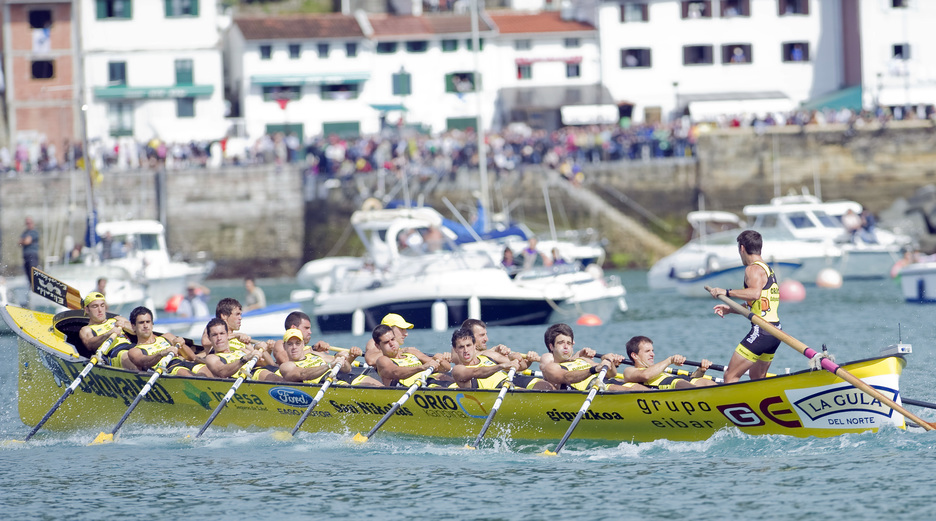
(806, 403)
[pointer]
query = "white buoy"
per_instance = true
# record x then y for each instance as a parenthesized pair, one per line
(439, 316)
(474, 308)
(829, 278)
(357, 322)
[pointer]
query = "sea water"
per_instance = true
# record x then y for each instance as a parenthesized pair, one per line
(156, 473)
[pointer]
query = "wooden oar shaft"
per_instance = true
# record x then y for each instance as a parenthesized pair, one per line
(230, 394)
(74, 385)
(397, 404)
(582, 410)
(495, 407)
(160, 367)
(317, 398)
(714, 367)
(827, 364)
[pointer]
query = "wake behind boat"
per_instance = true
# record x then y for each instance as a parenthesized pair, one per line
(805, 403)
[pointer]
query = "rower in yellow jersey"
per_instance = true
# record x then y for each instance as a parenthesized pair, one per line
(100, 328)
(761, 294)
(488, 369)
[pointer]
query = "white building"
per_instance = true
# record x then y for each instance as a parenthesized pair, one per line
(153, 69)
(722, 57)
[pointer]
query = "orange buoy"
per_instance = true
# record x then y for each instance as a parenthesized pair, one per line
(792, 291)
(588, 320)
(172, 305)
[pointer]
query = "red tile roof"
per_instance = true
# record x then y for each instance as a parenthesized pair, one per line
(299, 27)
(510, 22)
(428, 24)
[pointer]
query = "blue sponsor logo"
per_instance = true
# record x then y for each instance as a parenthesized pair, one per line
(290, 396)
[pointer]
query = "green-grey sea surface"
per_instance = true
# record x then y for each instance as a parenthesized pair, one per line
(154, 473)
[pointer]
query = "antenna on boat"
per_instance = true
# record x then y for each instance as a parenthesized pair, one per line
(479, 131)
(899, 348)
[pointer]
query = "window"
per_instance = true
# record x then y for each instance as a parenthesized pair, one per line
(181, 8)
(460, 82)
(351, 49)
(340, 91)
(461, 123)
(183, 72)
(185, 107)
(113, 9)
(116, 74)
(800, 220)
(735, 53)
(732, 8)
(322, 50)
(480, 44)
(524, 72)
(635, 58)
(402, 84)
(43, 69)
(901, 51)
(697, 55)
(346, 129)
(572, 43)
(791, 7)
(523, 45)
(40, 18)
(295, 51)
(120, 118)
(266, 52)
(278, 92)
(386, 47)
(573, 70)
(449, 45)
(697, 9)
(900, 4)
(634, 12)
(417, 46)
(796, 52)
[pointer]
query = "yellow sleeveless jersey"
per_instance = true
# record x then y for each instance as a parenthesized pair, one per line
(767, 305)
(491, 382)
(408, 360)
(106, 326)
(577, 365)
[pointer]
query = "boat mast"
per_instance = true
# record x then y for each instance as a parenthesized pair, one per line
(479, 131)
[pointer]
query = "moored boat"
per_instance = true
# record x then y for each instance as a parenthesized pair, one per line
(805, 403)
(918, 282)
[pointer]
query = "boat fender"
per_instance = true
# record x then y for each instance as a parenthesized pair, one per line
(712, 264)
(439, 316)
(474, 307)
(370, 204)
(357, 322)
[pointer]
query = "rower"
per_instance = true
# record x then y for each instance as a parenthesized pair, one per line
(397, 367)
(302, 322)
(100, 327)
(488, 369)
(311, 368)
(650, 374)
(225, 362)
(400, 329)
(231, 312)
(568, 368)
(150, 348)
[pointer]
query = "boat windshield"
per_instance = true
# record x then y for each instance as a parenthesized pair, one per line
(827, 220)
(800, 220)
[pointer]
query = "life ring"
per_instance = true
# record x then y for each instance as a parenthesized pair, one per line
(371, 204)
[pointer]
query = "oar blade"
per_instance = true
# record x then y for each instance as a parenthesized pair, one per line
(102, 438)
(282, 436)
(360, 438)
(548, 452)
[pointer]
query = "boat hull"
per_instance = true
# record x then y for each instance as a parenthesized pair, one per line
(807, 403)
(918, 283)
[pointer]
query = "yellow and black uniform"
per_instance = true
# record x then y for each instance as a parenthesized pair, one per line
(577, 365)
(237, 356)
(314, 360)
(662, 380)
(496, 380)
(175, 363)
(237, 347)
(121, 343)
(758, 345)
(411, 360)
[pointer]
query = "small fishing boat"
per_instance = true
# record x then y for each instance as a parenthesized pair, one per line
(918, 282)
(805, 403)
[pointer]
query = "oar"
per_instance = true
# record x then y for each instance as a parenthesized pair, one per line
(918, 403)
(361, 438)
(98, 356)
(581, 413)
(827, 364)
(497, 403)
(318, 398)
(159, 369)
(55, 290)
(244, 371)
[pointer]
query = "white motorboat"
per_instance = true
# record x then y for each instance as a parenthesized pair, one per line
(918, 282)
(139, 246)
(593, 293)
(413, 268)
(797, 229)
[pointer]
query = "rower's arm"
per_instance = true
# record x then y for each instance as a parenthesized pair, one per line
(145, 361)
(632, 374)
(390, 371)
(293, 373)
(223, 370)
(558, 375)
(371, 353)
(92, 341)
(462, 374)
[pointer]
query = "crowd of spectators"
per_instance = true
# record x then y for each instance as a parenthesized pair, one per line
(567, 149)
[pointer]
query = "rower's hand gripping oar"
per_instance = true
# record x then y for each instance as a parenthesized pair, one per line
(318, 397)
(158, 371)
(244, 372)
(361, 438)
(578, 417)
(827, 364)
(508, 384)
(97, 357)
